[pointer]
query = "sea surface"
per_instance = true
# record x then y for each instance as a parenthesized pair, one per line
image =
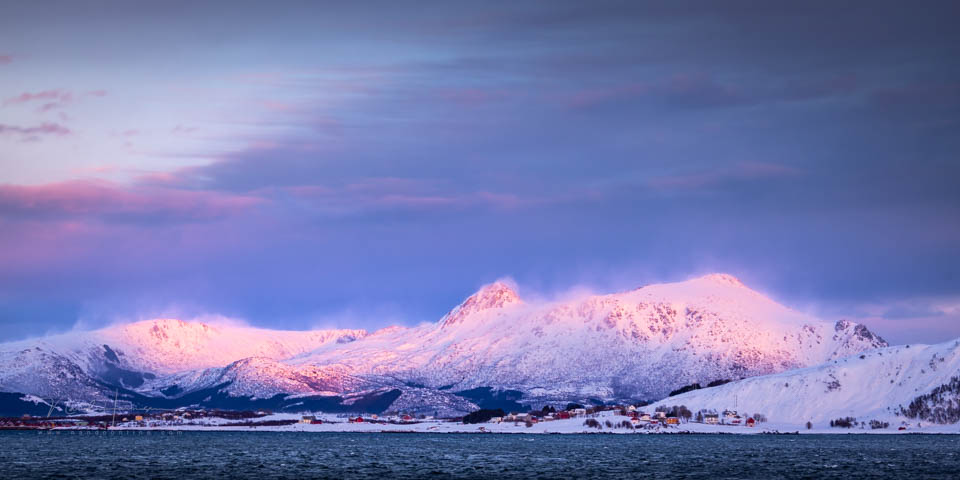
(270, 455)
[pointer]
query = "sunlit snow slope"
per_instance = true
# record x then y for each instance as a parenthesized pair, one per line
(872, 385)
(637, 344)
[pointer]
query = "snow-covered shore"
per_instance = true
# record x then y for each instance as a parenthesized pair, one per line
(333, 423)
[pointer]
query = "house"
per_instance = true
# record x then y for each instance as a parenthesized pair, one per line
(644, 417)
(711, 419)
(660, 415)
(635, 421)
(751, 422)
(631, 408)
(563, 415)
(356, 420)
(138, 418)
(308, 419)
(672, 421)
(579, 412)
(515, 417)
(729, 415)
(496, 419)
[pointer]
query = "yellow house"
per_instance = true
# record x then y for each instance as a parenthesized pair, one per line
(138, 418)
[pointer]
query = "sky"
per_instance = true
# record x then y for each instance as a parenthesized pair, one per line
(361, 164)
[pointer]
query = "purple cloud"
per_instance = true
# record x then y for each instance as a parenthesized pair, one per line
(57, 95)
(45, 128)
(53, 99)
(918, 95)
(693, 90)
(737, 172)
(77, 200)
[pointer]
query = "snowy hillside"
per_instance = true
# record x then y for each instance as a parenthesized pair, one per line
(878, 384)
(166, 346)
(633, 345)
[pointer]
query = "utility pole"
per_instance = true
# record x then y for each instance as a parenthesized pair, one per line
(115, 397)
(52, 406)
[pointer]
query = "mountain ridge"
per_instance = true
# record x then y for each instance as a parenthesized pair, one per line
(625, 346)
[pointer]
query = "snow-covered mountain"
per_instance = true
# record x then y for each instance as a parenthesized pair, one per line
(86, 365)
(639, 344)
(914, 383)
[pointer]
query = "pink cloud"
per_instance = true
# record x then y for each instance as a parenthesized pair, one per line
(5, 59)
(42, 129)
(58, 95)
(46, 107)
(53, 99)
(112, 202)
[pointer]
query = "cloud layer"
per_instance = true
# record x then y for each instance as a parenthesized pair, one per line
(335, 159)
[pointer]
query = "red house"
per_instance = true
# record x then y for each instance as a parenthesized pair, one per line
(751, 422)
(563, 415)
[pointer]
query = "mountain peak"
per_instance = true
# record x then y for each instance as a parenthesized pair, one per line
(497, 291)
(722, 279)
(495, 295)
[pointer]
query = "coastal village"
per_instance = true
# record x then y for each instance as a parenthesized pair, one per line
(572, 419)
(592, 418)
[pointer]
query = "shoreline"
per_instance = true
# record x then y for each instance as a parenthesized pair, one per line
(175, 431)
(602, 423)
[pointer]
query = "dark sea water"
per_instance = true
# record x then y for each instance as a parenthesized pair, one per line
(268, 455)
